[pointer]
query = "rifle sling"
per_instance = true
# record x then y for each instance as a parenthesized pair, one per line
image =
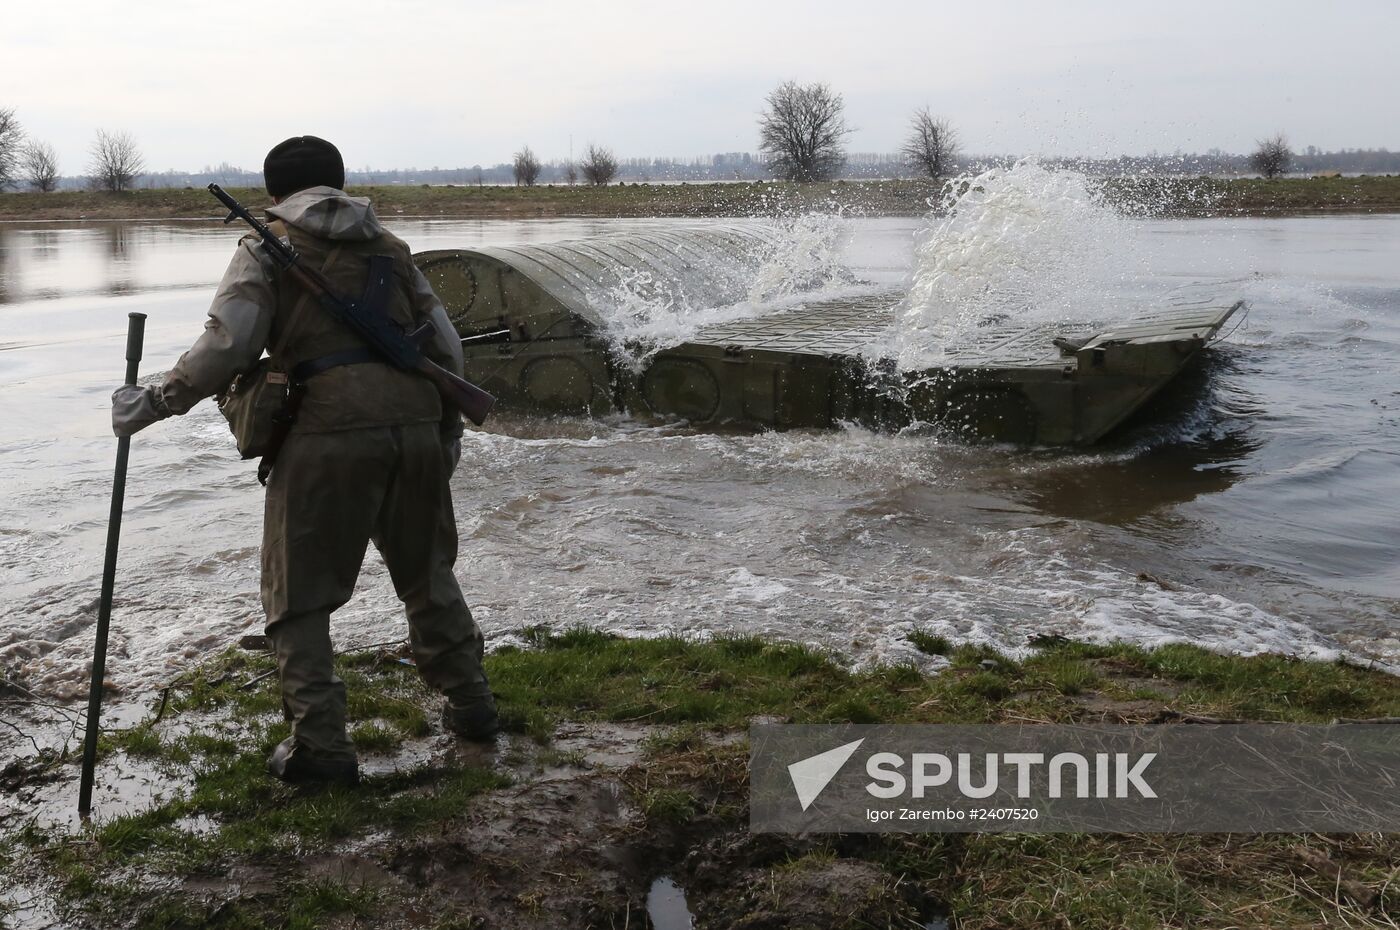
(373, 300)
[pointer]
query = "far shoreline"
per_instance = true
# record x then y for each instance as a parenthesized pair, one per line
(1166, 197)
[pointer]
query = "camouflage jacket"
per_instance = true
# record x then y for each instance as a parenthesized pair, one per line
(248, 307)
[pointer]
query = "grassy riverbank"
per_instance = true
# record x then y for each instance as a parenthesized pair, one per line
(627, 761)
(1153, 196)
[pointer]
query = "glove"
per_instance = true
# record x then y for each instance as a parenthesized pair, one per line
(134, 408)
(453, 449)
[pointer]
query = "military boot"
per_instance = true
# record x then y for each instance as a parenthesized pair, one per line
(471, 716)
(296, 766)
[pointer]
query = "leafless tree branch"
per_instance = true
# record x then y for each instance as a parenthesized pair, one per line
(599, 165)
(40, 166)
(116, 162)
(932, 146)
(11, 144)
(1272, 157)
(526, 167)
(801, 131)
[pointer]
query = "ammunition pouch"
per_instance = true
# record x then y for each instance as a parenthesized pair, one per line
(253, 402)
(262, 413)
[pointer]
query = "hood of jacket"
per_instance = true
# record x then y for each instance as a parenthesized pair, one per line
(330, 214)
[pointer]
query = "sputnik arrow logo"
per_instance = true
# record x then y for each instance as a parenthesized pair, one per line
(811, 776)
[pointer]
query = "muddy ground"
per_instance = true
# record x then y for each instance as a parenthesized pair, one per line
(618, 799)
(581, 835)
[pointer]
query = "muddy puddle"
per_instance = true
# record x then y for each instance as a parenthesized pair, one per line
(578, 837)
(666, 906)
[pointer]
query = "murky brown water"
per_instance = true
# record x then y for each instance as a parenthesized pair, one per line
(1266, 497)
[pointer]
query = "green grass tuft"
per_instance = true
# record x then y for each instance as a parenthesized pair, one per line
(931, 644)
(373, 737)
(1068, 675)
(669, 805)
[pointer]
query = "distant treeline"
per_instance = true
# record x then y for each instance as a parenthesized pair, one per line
(1216, 163)
(746, 166)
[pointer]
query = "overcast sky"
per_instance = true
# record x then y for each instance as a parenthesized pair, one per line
(422, 84)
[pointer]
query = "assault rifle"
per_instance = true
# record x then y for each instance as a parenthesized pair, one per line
(381, 333)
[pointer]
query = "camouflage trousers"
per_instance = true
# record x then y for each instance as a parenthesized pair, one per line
(329, 496)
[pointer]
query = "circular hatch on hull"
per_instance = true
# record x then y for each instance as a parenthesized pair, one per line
(456, 286)
(557, 385)
(681, 387)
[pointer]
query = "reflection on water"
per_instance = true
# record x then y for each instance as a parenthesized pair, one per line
(1264, 492)
(1126, 490)
(1188, 442)
(112, 258)
(123, 257)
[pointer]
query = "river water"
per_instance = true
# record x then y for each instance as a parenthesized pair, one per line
(1259, 511)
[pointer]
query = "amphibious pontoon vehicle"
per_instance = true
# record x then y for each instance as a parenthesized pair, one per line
(533, 320)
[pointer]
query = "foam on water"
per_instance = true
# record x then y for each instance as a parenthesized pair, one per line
(1020, 244)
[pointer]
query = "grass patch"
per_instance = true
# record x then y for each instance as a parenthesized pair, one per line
(1107, 882)
(870, 198)
(987, 685)
(374, 737)
(1173, 196)
(669, 805)
(1068, 675)
(1267, 687)
(584, 675)
(1255, 196)
(221, 732)
(931, 644)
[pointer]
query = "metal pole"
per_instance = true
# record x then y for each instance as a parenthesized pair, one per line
(135, 334)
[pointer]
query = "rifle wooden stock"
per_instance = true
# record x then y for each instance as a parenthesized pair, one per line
(472, 401)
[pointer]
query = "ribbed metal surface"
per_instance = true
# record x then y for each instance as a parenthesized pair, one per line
(581, 273)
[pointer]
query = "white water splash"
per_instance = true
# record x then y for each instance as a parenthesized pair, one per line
(1019, 244)
(647, 313)
(805, 257)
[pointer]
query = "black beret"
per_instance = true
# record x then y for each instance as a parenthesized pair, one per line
(302, 162)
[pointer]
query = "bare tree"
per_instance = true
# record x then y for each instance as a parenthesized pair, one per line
(801, 131)
(11, 143)
(116, 161)
(1272, 157)
(40, 166)
(526, 167)
(599, 166)
(932, 145)
(570, 173)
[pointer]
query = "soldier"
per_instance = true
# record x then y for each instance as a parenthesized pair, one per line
(368, 458)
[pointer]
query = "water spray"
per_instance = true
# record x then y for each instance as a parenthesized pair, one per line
(135, 335)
